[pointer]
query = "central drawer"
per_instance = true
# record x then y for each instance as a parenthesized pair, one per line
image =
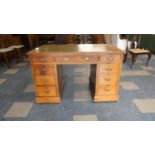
(67, 58)
(89, 58)
(45, 80)
(43, 69)
(46, 91)
(76, 58)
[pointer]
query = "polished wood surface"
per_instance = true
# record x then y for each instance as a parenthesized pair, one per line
(46, 63)
(79, 48)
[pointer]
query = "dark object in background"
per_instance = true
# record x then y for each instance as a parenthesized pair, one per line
(60, 39)
(24, 40)
(123, 36)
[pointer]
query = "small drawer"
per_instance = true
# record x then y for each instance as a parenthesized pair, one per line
(110, 58)
(46, 91)
(68, 59)
(45, 80)
(42, 58)
(106, 90)
(89, 58)
(41, 69)
(108, 68)
(107, 79)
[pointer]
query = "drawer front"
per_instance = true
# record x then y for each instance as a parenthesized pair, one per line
(43, 69)
(45, 80)
(107, 79)
(67, 58)
(76, 58)
(109, 68)
(46, 91)
(42, 58)
(106, 90)
(110, 58)
(89, 58)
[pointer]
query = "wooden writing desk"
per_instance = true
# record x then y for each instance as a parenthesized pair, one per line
(46, 64)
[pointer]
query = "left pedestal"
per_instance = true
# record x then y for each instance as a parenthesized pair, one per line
(48, 82)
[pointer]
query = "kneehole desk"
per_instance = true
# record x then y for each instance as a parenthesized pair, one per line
(46, 62)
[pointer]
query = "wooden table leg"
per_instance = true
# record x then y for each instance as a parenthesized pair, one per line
(125, 57)
(6, 60)
(20, 54)
(16, 56)
(149, 57)
(133, 56)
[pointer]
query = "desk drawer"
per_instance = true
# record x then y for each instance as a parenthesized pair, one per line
(76, 58)
(41, 69)
(45, 80)
(46, 91)
(89, 58)
(107, 79)
(110, 58)
(67, 58)
(42, 58)
(108, 68)
(106, 90)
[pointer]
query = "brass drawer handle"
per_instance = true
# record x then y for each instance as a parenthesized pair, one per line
(45, 80)
(42, 59)
(86, 58)
(66, 58)
(46, 91)
(43, 71)
(106, 89)
(110, 58)
(107, 79)
(108, 69)
(107, 86)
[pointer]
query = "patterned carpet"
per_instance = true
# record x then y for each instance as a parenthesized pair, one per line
(137, 95)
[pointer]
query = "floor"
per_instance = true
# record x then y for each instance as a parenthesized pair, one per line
(137, 95)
